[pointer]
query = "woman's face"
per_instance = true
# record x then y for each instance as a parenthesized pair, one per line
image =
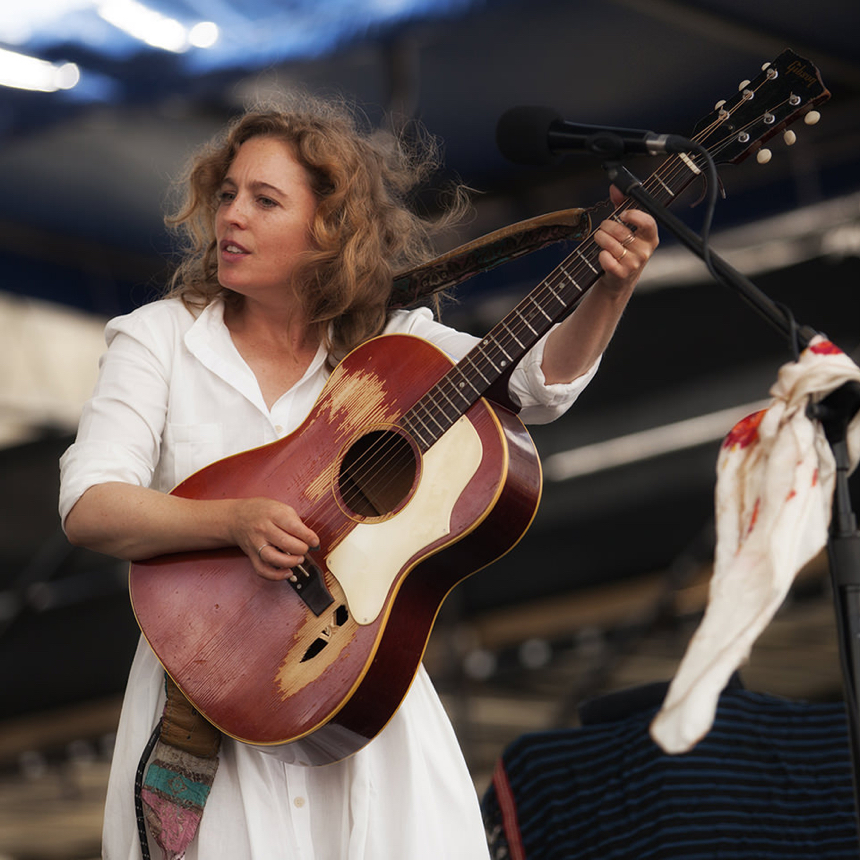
(265, 207)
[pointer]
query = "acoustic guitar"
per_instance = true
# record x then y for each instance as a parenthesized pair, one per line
(414, 472)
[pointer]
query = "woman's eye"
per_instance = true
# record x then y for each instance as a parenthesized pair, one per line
(267, 202)
(225, 196)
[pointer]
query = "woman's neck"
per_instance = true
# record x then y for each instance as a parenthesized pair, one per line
(276, 343)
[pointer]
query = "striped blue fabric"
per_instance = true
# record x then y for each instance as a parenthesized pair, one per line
(771, 780)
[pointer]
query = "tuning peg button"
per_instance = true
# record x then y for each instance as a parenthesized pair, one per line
(743, 84)
(789, 137)
(763, 156)
(812, 117)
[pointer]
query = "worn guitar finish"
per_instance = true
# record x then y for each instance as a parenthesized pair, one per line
(270, 662)
(414, 477)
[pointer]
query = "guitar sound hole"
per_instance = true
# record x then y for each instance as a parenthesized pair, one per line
(377, 473)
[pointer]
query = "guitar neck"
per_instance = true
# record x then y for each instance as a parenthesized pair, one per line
(784, 91)
(511, 338)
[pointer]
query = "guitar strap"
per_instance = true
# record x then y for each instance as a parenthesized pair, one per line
(172, 795)
(180, 775)
(485, 253)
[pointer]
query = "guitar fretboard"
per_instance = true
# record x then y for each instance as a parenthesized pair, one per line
(785, 90)
(510, 339)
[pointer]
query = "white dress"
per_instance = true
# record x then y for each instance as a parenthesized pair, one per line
(174, 395)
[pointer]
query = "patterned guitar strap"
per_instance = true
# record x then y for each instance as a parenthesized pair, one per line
(171, 796)
(179, 777)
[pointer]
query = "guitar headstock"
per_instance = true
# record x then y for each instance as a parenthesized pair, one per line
(787, 89)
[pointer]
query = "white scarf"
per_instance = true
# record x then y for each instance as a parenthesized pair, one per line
(775, 482)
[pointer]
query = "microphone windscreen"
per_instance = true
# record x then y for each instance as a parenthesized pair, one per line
(522, 134)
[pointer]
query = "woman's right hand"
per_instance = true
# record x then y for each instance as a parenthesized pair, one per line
(136, 523)
(272, 535)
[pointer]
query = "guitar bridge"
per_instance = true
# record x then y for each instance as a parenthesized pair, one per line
(308, 582)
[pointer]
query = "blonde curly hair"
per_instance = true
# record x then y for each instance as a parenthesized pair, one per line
(363, 231)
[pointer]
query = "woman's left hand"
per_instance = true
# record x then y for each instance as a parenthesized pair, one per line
(627, 244)
(628, 240)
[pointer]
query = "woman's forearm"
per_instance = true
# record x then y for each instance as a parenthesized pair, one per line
(135, 523)
(627, 243)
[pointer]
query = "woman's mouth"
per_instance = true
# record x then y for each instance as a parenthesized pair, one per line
(233, 248)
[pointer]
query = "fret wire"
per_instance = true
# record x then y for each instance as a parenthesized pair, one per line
(428, 413)
(555, 294)
(471, 362)
(539, 306)
(409, 425)
(433, 415)
(457, 390)
(441, 389)
(478, 356)
(587, 263)
(508, 329)
(522, 326)
(497, 343)
(413, 416)
(466, 380)
(668, 189)
(573, 282)
(429, 435)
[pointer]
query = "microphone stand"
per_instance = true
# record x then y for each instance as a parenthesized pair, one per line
(835, 412)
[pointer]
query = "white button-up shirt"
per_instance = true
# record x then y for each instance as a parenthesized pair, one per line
(173, 396)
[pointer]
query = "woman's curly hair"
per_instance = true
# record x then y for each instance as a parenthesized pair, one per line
(364, 229)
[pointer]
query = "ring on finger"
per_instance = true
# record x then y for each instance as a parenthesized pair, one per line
(623, 254)
(260, 550)
(628, 240)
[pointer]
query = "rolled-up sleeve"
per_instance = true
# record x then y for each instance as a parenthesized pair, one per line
(544, 402)
(120, 431)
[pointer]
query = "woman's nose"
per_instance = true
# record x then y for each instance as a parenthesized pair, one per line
(234, 211)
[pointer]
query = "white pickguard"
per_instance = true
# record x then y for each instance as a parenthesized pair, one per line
(369, 558)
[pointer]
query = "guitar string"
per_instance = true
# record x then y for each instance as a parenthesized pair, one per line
(564, 278)
(429, 402)
(557, 285)
(388, 443)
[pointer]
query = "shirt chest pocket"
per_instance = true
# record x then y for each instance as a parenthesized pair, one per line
(187, 448)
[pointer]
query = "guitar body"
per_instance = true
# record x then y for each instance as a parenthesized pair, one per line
(323, 663)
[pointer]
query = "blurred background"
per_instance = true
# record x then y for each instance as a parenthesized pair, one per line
(101, 104)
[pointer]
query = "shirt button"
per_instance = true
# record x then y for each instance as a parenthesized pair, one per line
(278, 428)
(299, 802)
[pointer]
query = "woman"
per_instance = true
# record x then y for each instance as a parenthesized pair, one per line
(297, 221)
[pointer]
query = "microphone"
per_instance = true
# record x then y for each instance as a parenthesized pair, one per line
(536, 135)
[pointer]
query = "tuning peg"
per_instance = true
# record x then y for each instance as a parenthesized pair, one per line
(765, 67)
(812, 117)
(789, 137)
(719, 104)
(763, 156)
(743, 85)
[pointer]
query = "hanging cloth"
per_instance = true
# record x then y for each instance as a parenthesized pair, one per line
(776, 476)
